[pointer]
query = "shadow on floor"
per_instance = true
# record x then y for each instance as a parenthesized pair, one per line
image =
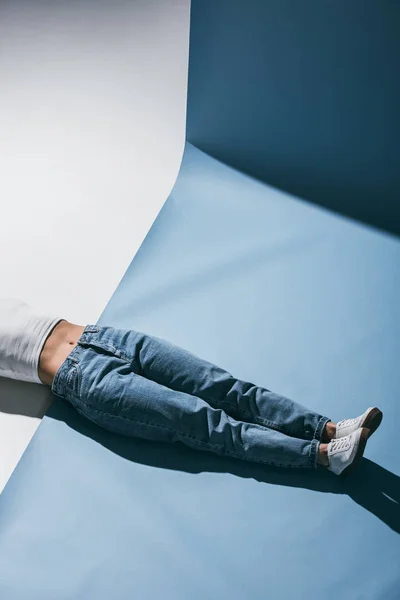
(371, 486)
(24, 398)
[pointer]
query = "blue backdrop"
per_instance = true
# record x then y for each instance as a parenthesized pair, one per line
(281, 294)
(303, 95)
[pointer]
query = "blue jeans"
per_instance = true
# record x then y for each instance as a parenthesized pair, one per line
(139, 385)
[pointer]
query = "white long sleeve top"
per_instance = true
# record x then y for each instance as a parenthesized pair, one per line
(23, 333)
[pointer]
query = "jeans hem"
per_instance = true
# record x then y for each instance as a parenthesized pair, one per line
(313, 454)
(320, 428)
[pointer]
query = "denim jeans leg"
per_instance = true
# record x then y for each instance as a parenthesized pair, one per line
(103, 388)
(180, 370)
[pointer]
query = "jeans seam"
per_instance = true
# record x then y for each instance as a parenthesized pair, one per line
(204, 444)
(150, 424)
(263, 422)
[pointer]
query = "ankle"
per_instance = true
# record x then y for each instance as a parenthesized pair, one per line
(323, 459)
(329, 432)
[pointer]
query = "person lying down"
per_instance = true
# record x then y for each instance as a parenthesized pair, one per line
(140, 385)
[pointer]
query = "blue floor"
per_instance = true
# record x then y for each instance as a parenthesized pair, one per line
(282, 294)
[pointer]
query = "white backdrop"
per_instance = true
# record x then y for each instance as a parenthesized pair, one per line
(92, 130)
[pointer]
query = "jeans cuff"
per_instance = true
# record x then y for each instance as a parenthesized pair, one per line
(313, 455)
(320, 428)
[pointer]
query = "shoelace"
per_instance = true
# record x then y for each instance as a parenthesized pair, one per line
(340, 443)
(347, 422)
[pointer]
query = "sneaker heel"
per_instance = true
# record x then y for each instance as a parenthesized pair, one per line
(374, 420)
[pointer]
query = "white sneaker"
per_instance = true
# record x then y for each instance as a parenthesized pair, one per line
(371, 419)
(345, 452)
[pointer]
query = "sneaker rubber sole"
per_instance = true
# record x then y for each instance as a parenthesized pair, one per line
(359, 454)
(372, 420)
